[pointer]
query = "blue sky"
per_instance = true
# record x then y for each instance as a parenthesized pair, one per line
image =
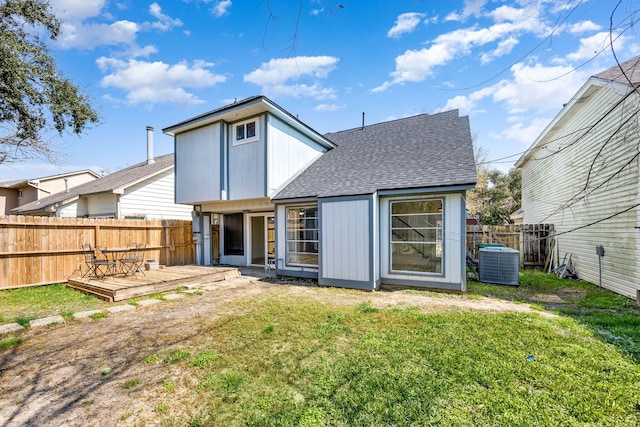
(509, 65)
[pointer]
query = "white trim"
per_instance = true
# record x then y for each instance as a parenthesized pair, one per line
(245, 139)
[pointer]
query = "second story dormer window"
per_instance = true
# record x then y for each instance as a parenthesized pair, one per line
(246, 131)
(20, 194)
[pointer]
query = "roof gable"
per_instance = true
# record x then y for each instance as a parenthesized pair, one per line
(112, 183)
(414, 152)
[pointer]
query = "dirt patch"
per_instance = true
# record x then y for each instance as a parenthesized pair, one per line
(56, 378)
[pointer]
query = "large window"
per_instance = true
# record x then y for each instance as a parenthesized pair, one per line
(245, 132)
(302, 236)
(233, 234)
(416, 236)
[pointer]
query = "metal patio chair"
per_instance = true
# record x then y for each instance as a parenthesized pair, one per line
(96, 266)
(131, 261)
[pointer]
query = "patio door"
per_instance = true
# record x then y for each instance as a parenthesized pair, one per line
(262, 239)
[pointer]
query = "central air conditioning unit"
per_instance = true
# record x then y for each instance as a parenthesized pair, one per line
(498, 265)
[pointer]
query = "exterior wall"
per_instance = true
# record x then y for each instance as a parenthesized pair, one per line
(288, 152)
(57, 184)
(549, 183)
(8, 200)
(29, 194)
(154, 199)
(77, 209)
(247, 165)
(102, 206)
(454, 232)
(198, 164)
(346, 242)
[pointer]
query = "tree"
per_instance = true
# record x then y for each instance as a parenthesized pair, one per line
(34, 95)
(497, 194)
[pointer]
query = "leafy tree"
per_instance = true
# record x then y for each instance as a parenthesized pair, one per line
(34, 95)
(497, 194)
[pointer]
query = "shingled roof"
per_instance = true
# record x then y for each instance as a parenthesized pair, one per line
(626, 72)
(104, 185)
(414, 152)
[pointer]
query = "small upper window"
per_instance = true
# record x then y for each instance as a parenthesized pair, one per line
(20, 194)
(245, 132)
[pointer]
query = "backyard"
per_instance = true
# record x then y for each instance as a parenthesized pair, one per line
(549, 352)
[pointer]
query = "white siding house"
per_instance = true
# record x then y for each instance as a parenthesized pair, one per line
(141, 191)
(582, 175)
(381, 204)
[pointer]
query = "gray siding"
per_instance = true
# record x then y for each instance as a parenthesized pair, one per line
(247, 163)
(153, 199)
(198, 165)
(288, 152)
(549, 181)
(346, 228)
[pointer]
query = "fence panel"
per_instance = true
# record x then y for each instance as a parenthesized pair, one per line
(40, 250)
(532, 240)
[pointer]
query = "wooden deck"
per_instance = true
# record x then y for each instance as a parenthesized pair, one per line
(162, 280)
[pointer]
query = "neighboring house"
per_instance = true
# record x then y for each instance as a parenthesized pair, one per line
(141, 191)
(379, 204)
(582, 175)
(20, 192)
(517, 217)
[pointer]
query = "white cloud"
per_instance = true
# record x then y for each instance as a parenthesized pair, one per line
(158, 82)
(539, 87)
(328, 107)
(504, 48)
(591, 46)
(523, 133)
(164, 22)
(316, 12)
(467, 104)
(277, 75)
(77, 9)
(221, 8)
(92, 35)
(583, 27)
(417, 65)
(405, 23)
(471, 7)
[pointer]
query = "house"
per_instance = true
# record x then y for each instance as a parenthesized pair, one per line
(19, 192)
(375, 205)
(142, 191)
(582, 173)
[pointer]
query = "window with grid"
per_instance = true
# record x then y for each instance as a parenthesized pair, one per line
(245, 132)
(417, 235)
(302, 236)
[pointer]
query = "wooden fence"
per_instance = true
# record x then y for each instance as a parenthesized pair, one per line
(532, 240)
(41, 250)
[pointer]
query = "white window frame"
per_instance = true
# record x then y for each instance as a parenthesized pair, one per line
(20, 194)
(245, 139)
(304, 230)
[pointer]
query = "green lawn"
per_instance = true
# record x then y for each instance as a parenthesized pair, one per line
(24, 304)
(288, 361)
(613, 318)
(303, 364)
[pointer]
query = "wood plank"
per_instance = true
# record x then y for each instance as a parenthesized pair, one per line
(162, 280)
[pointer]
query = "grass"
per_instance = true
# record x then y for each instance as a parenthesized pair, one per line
(322, 365)
(25, 304)
(613, 318)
